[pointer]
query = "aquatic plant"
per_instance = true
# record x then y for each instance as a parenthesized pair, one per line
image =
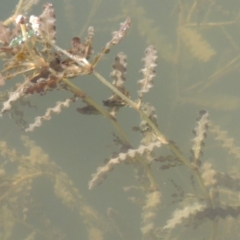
(201, 198)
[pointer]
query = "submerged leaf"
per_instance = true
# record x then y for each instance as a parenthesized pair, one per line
(148, 72)
(197, 45)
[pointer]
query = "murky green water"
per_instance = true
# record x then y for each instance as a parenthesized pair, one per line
(44, 185)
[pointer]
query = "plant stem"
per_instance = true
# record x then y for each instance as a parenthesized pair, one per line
(16, 13)
(92, 103)
(88, 100)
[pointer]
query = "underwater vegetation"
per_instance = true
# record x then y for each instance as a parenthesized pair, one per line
(179, 186)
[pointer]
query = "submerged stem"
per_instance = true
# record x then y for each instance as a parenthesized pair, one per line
(88, 100)
(92, 103)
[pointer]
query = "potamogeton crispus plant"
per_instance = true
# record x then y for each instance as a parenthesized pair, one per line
(34, 54)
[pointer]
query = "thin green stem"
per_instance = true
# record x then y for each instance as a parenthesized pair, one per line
(91, 102)
(88, 100)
